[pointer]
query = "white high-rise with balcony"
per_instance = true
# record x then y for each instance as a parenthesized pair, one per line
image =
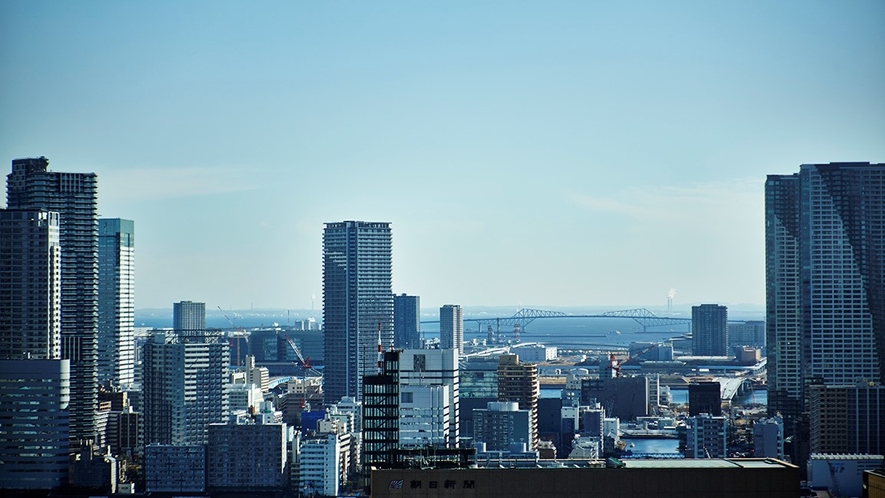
(116, 301)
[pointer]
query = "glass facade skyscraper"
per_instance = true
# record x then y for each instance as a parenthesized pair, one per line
(74, 196)
(406, 321)
(825, 280)
(357, 303)
(116, 301)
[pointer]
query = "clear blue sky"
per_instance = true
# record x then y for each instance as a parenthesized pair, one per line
(527, 153)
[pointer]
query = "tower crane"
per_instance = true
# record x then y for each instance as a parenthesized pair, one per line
(235, 334)
(305, 365)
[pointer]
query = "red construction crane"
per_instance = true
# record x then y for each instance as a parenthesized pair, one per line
(614, 365)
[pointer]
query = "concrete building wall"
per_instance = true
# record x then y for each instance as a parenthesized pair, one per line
(662, 479)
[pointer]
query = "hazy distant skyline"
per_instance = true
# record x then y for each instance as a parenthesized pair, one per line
(564, 154)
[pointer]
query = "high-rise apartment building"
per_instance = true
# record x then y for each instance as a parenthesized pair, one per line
(706, 436)
(709, 330)
(501, 424)
(357, 303)
(74, 196)
(451, 328)
(825, 280)
(116, 301)
(518, 382)
(188, 316)
(406, 321)
(847, 419)
(30, 285)
(185, 387)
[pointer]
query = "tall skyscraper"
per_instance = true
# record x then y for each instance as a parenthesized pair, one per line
(74, 196)
(185, 387)
(116, 301)
(406, 321)
(451, 328)
(34, 382)
(357, 303)
(825, 280)
(188, 316)
(30, 285)
(709, 330)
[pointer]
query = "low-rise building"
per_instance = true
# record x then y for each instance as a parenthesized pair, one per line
(735, 478)
(768, 438)
(841, 474)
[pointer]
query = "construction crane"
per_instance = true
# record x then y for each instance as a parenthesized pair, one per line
(614, 365)
(305, 366)
(236, 338)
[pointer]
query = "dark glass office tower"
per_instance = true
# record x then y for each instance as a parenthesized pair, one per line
(406, 321)
(357, 303)
(709, 330)
(74, 196)
(825, 280)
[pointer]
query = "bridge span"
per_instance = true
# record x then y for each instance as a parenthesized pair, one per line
(731, 387)
(525, 316)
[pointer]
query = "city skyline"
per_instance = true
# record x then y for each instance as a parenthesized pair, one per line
(561, 155)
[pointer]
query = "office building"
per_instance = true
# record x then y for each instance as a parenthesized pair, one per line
(116, 301)
(825, 283)
(706, 436)
(704, 397)
(30, 285)
(188, 316)
(847, 419)
(519, 382)
(623, 397)
(435, 368)
(246, 456)
(451, 328)
(709, 330)
(406, 322)
(637, 478)
(357, 303)
(768, 438)
(74, 196)
(424, 416)
(380, 418)
(501, 424)
(34, 420)
(185, 387)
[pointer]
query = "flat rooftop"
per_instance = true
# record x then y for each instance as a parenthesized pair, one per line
(707, 463)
